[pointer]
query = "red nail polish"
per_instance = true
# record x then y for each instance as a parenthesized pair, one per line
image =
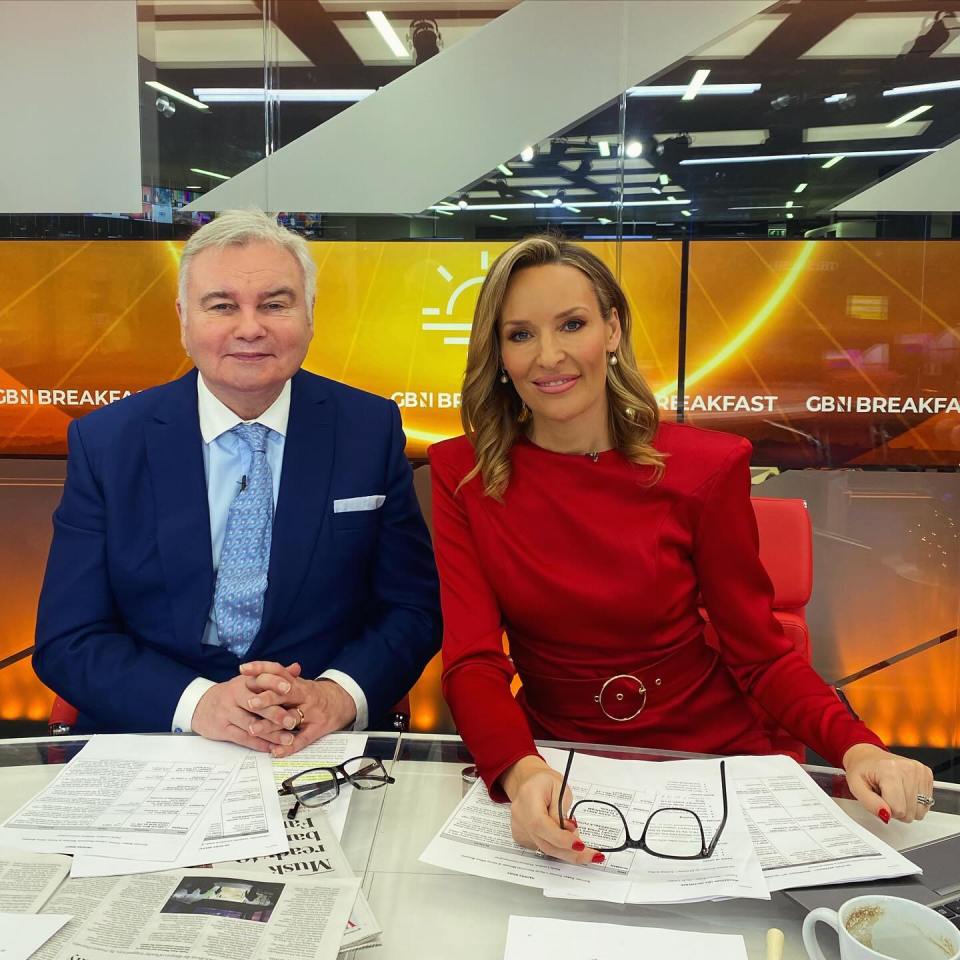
(598, 858)
(578, 846)
(884, 814)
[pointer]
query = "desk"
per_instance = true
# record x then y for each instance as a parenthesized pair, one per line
(431, 914)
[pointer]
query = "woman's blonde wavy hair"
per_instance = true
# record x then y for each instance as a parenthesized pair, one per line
(492, 413)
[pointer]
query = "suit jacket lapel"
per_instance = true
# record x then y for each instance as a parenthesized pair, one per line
(301, 504)
(175, 458)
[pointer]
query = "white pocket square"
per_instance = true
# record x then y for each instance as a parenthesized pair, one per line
(353, 504)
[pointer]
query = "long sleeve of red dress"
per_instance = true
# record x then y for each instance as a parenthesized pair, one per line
(593, 570)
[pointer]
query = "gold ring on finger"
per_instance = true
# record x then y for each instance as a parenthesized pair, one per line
(301, 720)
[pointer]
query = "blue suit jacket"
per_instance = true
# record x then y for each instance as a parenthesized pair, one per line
(129, 580)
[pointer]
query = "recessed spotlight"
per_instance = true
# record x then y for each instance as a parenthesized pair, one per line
(664, 179)
(526, 154)
(686, 213)
(634, 149)
(800, 187)
(462, 204)
(789, 203)
(789, 216)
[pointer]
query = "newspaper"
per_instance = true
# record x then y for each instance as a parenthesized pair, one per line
(314, 853)
(200, 915)
(27, 880)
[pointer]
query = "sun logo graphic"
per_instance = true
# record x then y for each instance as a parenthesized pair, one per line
(451, 327)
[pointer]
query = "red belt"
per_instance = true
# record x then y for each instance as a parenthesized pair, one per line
(623, 696)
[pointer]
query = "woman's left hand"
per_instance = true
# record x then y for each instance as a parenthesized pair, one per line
(887, 784)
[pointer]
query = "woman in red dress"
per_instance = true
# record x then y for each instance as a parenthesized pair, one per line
(571, 518)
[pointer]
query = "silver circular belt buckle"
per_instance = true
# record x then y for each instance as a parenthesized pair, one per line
(642, 690)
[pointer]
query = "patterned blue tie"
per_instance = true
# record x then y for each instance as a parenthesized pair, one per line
(245, 558)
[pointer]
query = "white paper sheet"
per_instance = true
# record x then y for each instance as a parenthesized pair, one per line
(126, 796)
(244, 821)
(27, 880)
(540, 938)
(801, 836)
(476, 838)
(21, 935)
(328, 751)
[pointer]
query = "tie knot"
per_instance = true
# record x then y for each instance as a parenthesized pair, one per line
(254, 435)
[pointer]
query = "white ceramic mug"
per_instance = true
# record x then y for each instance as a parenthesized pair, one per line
(885, 928)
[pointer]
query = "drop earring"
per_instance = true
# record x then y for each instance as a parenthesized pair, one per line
(503, 376)
(612, 359)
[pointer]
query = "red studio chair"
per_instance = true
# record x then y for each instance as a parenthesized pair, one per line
(786, 551)
(63, 717)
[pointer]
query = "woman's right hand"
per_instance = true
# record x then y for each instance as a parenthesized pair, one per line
(534, 792)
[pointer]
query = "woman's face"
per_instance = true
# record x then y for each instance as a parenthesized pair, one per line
(554, 343)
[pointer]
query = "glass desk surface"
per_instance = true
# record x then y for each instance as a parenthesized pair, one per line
(427, 912)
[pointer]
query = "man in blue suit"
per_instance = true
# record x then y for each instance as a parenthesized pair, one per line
(239, 552)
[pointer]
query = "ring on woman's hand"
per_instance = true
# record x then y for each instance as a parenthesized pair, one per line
(302, 718)
(924, 799)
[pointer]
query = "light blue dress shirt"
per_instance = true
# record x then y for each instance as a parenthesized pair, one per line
(225, 462)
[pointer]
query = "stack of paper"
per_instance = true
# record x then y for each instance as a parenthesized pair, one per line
(781, 831)
(538, 938)
(135, 804)
(192, 802)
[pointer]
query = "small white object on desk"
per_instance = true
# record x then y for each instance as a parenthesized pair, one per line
(541, 938)
(774, 944)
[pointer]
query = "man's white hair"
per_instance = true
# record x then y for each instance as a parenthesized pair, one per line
(238, 228)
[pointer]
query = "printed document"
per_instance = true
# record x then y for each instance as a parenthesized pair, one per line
(802, 837)
(476, 838)
(329, 751)
(199, 915)
(27, 880)
(244, 821)
(540, 938)
(126, 796)
(22, 934)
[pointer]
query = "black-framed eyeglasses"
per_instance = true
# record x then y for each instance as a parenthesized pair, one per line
(673, 833)
(320, 785)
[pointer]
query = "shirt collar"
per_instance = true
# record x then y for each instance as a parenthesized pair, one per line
(216, 418)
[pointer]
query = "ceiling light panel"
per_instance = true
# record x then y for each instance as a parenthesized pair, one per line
(173, 45)
(719, 138)
(538, 182)
(869, 35)
(612, 178)
(743, 40)
(614, 164)
(864, 131)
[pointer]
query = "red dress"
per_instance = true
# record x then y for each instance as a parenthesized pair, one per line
(593, 572)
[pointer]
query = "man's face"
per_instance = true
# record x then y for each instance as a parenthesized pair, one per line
(246, 322)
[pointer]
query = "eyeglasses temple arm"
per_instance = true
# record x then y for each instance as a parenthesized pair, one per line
(723, 821)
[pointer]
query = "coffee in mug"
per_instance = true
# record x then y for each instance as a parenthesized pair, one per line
(885, 928)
